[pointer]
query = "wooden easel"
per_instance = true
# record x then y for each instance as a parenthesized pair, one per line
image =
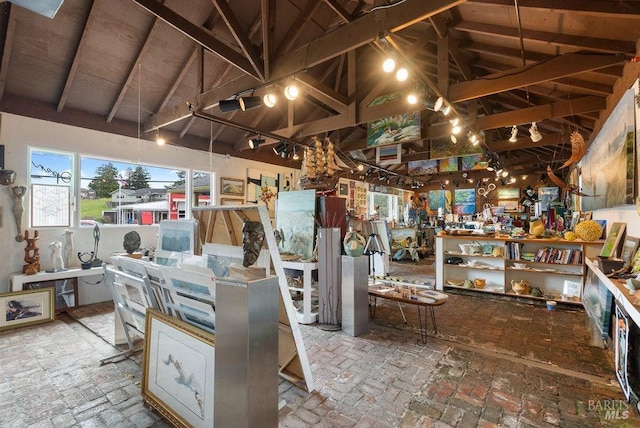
(223, 225)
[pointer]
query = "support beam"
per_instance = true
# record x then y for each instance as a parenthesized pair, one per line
(199, 35)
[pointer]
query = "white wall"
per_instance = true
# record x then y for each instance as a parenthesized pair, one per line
(626, 214)
(18, 133)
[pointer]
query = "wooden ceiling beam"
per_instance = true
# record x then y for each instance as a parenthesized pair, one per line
(199, 35)
(297, 27)
(71, 74)
(8, 21)
(555, 68)
(268, 20)
(323, 93)
(350, 36)
(339, 10)
(240, 36)
(553, 39)
(603, 9)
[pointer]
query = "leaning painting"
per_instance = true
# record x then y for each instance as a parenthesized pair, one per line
(605, 175)
(23, 308)
(178, 374)
(295, 223)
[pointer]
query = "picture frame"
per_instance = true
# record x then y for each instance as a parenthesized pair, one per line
(388, 155)
(220, 257)
(635, 262)
(178, 370)
(611, 246)
(572, 288)
(232, 186)
(26, 308)
(629, 249)
(508, 193)
(343, 189)
(231, 201)
(177, 236)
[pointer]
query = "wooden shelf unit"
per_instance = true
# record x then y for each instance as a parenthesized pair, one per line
(499, 271)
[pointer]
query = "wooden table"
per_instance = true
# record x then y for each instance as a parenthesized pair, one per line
(424, 298)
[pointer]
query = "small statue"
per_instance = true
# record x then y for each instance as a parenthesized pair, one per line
(96, 262)
(57, 264)
(31, 254)
(252, 240)
(18, 194)
(68, 248)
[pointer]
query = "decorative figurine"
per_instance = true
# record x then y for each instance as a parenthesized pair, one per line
(57, 264)
(31, 254)
(95, 261)
(18, 194)
(7, 177)
(85, 260)
(68, 248)
(252, 240)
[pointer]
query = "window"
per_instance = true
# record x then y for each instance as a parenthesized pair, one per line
(51, 176)
(201, 185)
(383, 206)
(114, 192)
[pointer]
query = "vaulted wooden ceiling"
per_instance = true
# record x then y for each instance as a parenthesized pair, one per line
(148, 67)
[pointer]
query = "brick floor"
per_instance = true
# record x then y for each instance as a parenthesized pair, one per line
(492, 363)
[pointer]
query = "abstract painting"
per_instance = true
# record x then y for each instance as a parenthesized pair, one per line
(439, 199)
(444, 148)
(422, 167)
(464, 201)
(448, 164)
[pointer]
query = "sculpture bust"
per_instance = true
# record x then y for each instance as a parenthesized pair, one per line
(131, 242)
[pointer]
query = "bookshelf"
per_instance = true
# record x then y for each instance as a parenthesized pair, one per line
(555, 267)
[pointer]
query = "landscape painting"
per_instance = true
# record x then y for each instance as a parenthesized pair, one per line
(464, 201)
(394, 129)
(469, 162)
(295, 222)
(422, 167)
(604, 167)
(448, 164)
(443, 148)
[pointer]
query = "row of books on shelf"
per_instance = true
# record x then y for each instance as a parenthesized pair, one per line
(566, 256)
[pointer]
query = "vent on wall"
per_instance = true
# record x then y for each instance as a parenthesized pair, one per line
(48, 8)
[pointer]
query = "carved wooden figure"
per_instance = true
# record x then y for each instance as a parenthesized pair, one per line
(31, 254)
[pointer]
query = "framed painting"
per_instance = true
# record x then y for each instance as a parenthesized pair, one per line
(629, 249)
(448, 165)
(388, 155)
(509, 206)
(546, 195)
(178, 370)
(295, 222)
(439, 199)
(28, 307)
(442, 148)
(422, 167)
(177, 236)
(614, 239)
(220, 257)
(343, 189)
(508, 193)
(469, 162)
(464, 201)
(231, 186)
(231, 201)
(396, 129)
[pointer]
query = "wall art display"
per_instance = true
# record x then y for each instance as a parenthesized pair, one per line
(508, 193)
(343, 189)
(448, 164)
(294, 219)
(393, 130)
(464, 201)
(23, 308)
(443, 148)
(177, 236)
(285, 182)
(598, 302)
(470, 162)
(231, 186)
(604, 167)
(439, 199)
(178, 370)
(388, 155)
(614, 239)
(508, 206)
(422, 167)
(546, 195)
(219, 258)
(572, 288)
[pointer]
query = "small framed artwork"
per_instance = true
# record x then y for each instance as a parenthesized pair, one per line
(629, 248)
(24, 308)
(509, 193)
(177, 236)
(388, 155)
(231, 186)
(177, 376)
(343, 189)
(231, 201)
(614, 239)
(509, 206)
(572, 288)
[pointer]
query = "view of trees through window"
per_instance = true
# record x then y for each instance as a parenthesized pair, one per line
(115, 192)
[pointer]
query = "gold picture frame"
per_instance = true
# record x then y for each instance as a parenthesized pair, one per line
(178, 370)
(232, 186)
(26, 308)
(231, 201)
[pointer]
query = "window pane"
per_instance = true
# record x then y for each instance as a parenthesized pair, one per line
(51, 179)
(201, 189)
(116, 192)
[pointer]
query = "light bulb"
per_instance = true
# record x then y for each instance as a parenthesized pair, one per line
(412, 99)
(160, 141)
(402, 74)
(389, 65)
(269, 100)
(456, 129)
(291, 92)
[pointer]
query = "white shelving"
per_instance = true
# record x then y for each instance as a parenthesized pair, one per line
(500, 270)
